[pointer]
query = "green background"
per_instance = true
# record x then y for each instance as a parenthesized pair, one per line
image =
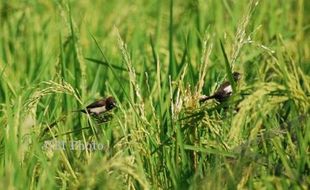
(156, 57)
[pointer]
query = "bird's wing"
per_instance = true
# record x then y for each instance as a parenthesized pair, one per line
(96, 104)
(222, 87)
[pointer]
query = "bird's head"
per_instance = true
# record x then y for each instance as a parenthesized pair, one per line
(110, 103)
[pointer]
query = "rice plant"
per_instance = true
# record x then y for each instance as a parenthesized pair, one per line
(157, 59)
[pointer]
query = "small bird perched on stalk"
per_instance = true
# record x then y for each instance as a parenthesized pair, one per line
(100, 106)
(224, 91)
(94, 109)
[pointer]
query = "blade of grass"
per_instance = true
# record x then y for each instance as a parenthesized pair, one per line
(107, 64)
(116, 77)
(228, 68)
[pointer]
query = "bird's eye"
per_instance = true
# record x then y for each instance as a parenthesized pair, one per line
(110, 106)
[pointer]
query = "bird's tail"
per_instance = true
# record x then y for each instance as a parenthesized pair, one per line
(82, 110)
(204, 98)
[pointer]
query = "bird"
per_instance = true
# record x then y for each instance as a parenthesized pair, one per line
(100, 106)
(223, 92)
(95, 109)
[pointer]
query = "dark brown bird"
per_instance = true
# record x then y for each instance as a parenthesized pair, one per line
(96, 108)
(224, 91)
(100, 106)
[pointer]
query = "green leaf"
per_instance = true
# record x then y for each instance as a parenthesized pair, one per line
(228, 68)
